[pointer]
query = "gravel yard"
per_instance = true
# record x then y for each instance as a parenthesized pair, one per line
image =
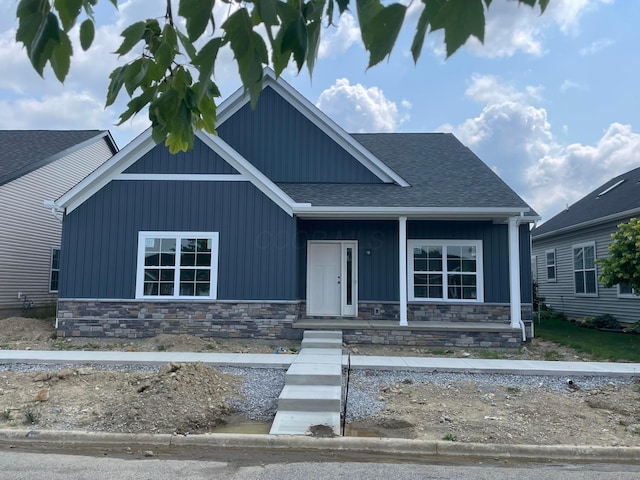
(196, 398)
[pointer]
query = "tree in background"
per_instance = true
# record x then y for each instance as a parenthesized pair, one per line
(173, 72)
(623, 264)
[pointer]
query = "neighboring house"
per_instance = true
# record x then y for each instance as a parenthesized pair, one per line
(566, 246)
(37, 165)
(284, 221)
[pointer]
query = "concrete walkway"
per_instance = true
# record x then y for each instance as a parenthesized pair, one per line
(266, 360)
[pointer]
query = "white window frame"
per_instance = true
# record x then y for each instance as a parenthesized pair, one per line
(627, 295)
(595, 269)
(178, 236)
(548, 265)
(51, 269)
(534, 268)
(479, 273)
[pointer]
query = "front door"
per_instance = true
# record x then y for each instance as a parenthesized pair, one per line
(331, 278)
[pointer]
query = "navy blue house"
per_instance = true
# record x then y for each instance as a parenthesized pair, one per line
(283, 222)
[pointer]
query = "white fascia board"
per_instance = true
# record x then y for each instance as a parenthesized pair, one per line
(239, 98)
(255, 176)
(590, 223)
(183, 177)
(106, 172)
(416, 212)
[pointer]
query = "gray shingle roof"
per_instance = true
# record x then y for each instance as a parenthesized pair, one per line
(623, 198)
(441, 170)
(23, 151)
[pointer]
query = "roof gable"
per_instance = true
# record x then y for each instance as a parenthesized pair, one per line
(23, 151)
(617, 198)
(288, 147)
(332, 130)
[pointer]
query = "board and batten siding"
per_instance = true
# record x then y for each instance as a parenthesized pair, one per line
(378, 253)
(256, 259)
(560, 294)
(29, 230)
(287, 147)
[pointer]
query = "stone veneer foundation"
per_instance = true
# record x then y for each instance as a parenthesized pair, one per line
(276, 321)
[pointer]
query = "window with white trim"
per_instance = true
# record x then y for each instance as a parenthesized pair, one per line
(625, 290)
(551, 265)
(584, 269)
(445, 270)
(177, 265)
(54, 270)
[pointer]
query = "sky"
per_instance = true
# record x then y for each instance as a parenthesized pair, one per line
(550, 102)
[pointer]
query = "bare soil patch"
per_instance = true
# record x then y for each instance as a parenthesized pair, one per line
(196, 398)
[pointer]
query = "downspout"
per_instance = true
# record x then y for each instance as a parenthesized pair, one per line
(522, 326)
(56, 211)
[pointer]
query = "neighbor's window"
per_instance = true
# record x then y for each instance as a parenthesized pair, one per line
(584, 269)
(551, 265)
(177, 265)
(54, 271)
(625, 290)
(445, 270)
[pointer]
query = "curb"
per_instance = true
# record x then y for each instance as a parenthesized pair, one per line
(397, 447)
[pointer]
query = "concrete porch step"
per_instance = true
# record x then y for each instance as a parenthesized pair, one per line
(298, 423)
(310, 398)
(333, 334)
(314, 374)
(322, 342)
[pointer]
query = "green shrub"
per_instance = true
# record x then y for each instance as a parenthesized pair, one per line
(633, 328)
(603, 321)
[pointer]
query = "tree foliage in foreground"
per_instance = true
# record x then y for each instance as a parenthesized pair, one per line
(173, 71)
(623, 263)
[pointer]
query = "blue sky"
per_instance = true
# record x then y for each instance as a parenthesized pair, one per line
(549, 102)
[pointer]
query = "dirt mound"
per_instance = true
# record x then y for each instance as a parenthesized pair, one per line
(20, 329)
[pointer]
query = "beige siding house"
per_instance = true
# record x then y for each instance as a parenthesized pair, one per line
(38, 165)
(566, 247)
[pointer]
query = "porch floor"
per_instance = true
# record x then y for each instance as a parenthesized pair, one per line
(360, 324)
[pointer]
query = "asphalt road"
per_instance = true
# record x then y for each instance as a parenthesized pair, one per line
(21, 465)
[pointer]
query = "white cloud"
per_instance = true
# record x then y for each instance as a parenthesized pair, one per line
(360, 109)
(338, 39)
(513, 135)
(597, 46)
(512, 27)
(487, 89)
(570, 84)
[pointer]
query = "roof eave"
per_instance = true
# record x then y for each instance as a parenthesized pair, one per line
(427, 213)
(590, 223)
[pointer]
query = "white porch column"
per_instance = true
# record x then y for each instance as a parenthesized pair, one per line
(402, 225)
(514, 272)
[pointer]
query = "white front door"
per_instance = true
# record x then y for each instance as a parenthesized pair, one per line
(331, 278)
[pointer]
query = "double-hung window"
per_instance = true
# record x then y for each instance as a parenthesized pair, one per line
(54, 270)
(445, 270)
(177, 265)
(625, 290)
(551, 265)
(584, 269)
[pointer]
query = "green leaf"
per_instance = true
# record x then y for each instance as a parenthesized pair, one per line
(117, 77)
(249, 51)
(68, 11)
(343, 6)
(60, 58)
(187, 44)
(164, 56)
(87, 34)
(132, 35)
(267, 12)
(197, 14)
(42, 46)
(136, 104)
(206, 62)
(459, 18)
(135, 74)
(313, 44)
(421, 31)
(380, 27)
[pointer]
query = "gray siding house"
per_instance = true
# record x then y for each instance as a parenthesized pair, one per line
(283, 221)
(566, 246)
(38, 165)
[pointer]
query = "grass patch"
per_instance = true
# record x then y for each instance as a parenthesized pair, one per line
(450, 437)
(6, 414)
(599, 345)
(553, 356)
(30, 417)
(513, 389)
(491, 354)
